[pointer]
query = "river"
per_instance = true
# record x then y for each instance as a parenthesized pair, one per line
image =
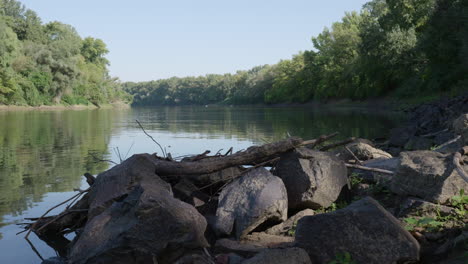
(44, 153)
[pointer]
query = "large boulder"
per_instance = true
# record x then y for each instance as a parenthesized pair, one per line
(280, 256)
(460, 127)
(313, 179)
(364, 229)
(249, 201)
(429, 175)
(115, 183)
(138, 221)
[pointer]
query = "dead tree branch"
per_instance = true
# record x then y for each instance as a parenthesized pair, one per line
(144, 131)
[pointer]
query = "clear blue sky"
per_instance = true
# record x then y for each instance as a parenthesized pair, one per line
(153, 39)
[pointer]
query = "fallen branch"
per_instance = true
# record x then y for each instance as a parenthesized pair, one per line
(369, 169)
(435, 133)
(33, 226)
(144, 131)
(448, 142)
(338, 144)
(457, 161)
(252, 156)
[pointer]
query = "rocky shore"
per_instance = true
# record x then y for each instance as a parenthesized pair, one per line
(293, 201)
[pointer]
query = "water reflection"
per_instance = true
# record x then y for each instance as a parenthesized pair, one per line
(44, 153)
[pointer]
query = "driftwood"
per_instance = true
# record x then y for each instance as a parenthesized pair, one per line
(457, 160)
(252, 156)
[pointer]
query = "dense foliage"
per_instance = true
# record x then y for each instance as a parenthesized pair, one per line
(404, 48)
(50, 63)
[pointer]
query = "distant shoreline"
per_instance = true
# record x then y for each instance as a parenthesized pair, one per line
(117, 105)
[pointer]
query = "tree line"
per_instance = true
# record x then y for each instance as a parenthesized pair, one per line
(401, 48)
(42, 64)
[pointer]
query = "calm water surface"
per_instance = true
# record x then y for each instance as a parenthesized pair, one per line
(44, 153)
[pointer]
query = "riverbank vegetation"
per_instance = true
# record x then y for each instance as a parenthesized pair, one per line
(44, 64)
(391, 48)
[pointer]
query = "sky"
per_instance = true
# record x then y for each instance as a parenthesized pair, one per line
(153, 39)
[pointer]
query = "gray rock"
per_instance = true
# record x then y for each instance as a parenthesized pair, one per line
(280, 256)
(115, 183)
(460, 127)
(313, 179)
(244, 249)
(429, 175)
(288, 225)
(255, 198)
(266, 240)
(364, 229)
(417, 207)
(143, 224)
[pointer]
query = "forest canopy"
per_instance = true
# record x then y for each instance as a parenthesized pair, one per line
(398, 48)
(43, 64)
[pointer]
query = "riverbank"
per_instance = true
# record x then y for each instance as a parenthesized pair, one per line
(117, 105)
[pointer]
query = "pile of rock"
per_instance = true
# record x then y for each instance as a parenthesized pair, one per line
(139, 212)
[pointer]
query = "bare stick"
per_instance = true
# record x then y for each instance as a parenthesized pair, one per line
(34, 249)
(457, 158)
(144, 131)
(369, 169)
(354, 156)
(337, 144)
(60, 216)
(228, 152)
(102, 160)
(435, 133)
(48, 211)
(448, 142)
(128, 151)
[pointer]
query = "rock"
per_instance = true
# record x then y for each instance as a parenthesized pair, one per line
(460, 127)
(141, 225)
(429, 175)
(115, 183)
(230, 258)
(186, 191)
(399, 136)
(249, 201)
(225, 245)
(54, 260)
(419, 143)
(280, 256)
(193, 258)
(364, 152)
(288, 225)
(364, 229)
(266, 240)
(313, 179)
(416, 207)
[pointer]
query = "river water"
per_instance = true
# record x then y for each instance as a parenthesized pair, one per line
(44, 153)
